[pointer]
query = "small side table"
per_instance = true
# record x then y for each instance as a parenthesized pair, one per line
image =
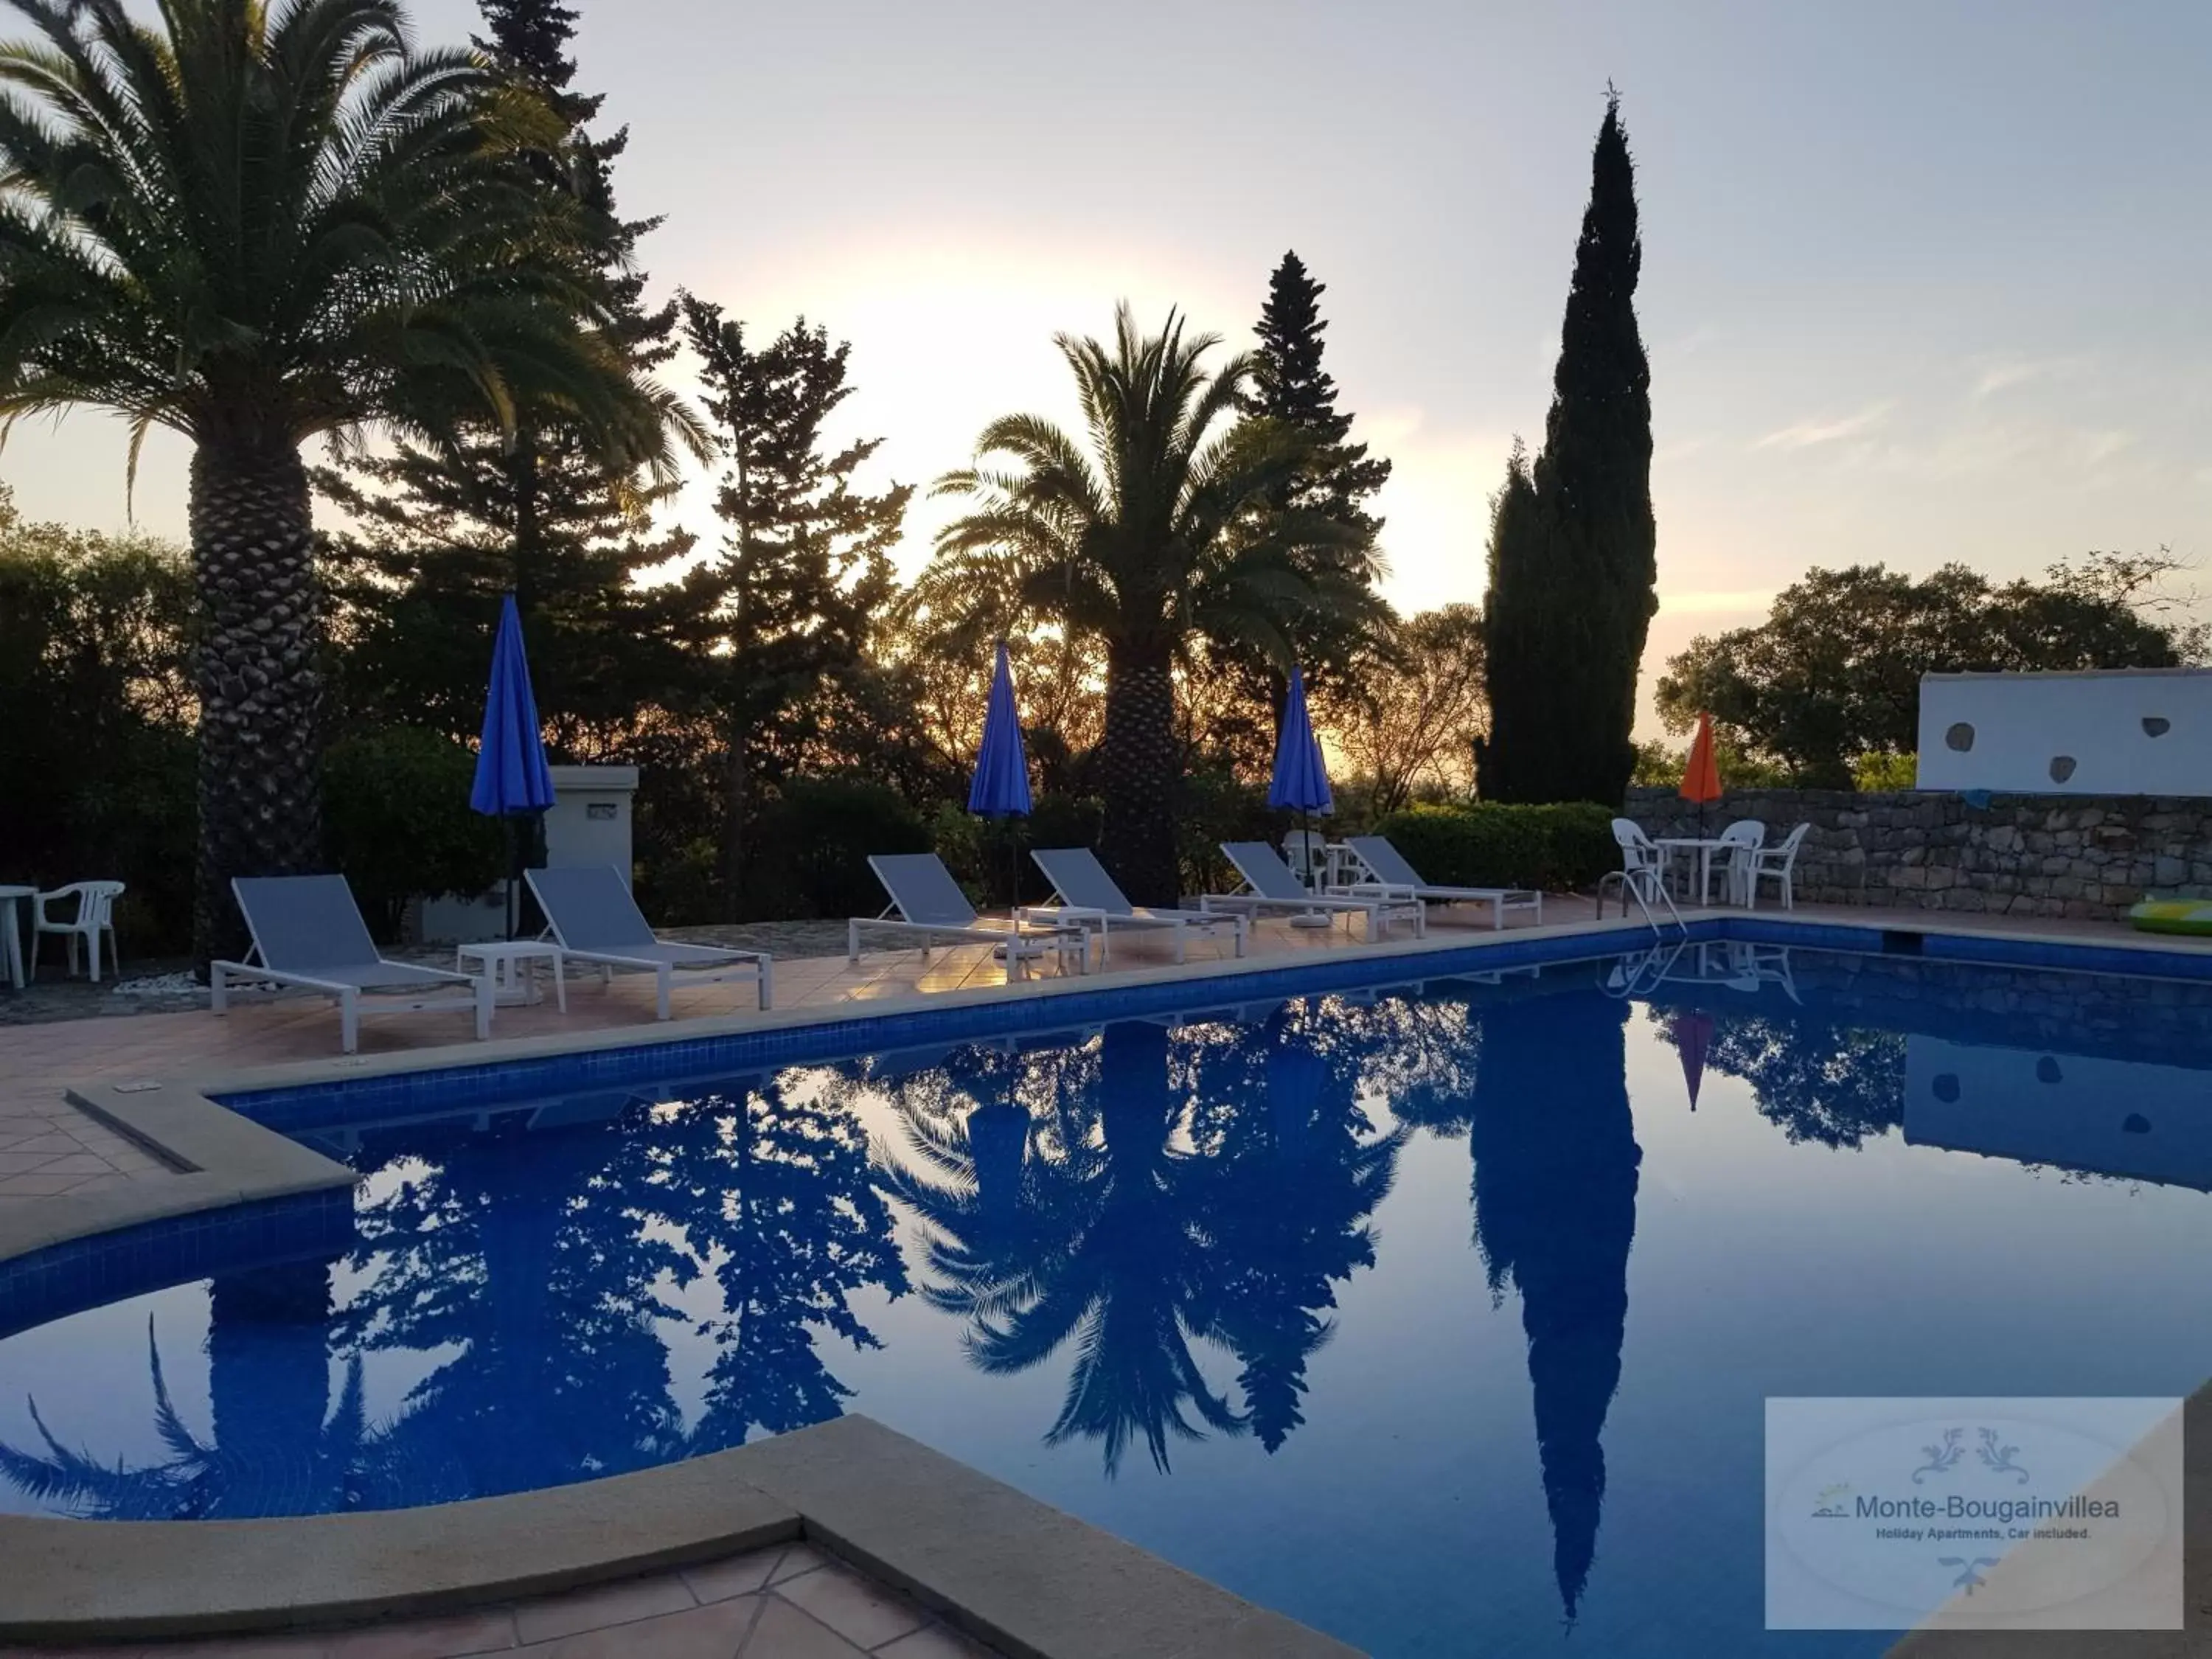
(514, 965)
(11, 937)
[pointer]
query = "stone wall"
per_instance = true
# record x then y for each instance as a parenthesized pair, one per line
(2036, 855)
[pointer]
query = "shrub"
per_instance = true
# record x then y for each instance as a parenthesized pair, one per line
(1563, 848)
(814, 841)
(96, 714)
(1217, 806)
(1877, 771)
(980, 852)
(396, 815)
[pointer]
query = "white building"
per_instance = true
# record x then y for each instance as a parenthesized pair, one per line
(2104, 732)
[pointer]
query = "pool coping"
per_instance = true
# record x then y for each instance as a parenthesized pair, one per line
(1028, 1580)
(1025, 1578)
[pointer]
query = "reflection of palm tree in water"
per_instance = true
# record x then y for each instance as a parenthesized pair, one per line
(1297, 1184)
(1139, 1200)
(1555, 1174)
(277, 1446)
(1102, 1247)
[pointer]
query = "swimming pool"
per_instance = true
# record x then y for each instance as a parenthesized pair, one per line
(1438, 1315)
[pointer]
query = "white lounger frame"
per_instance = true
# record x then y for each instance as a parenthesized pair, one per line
(1182, 923)
(349, 998)
(1020, 947)
(734, 964)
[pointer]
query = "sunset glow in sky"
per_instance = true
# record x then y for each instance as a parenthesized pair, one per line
(1922, 281)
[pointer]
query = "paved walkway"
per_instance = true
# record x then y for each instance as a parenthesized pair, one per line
(790, 1602)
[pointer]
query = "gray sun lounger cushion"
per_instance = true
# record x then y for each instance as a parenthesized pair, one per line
(1276, 886)
(923, 889)
(1393, 873)
(1264, 870)
(308, 934)
(1080, 879)
(1084, 884)
(594, 920)
(929, 902)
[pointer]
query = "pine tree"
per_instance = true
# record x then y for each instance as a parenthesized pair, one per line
(445, 529)
(1572, 566)
(1337, 483)
(784, 615)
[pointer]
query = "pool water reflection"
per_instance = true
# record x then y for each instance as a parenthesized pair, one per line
(1217, 1283)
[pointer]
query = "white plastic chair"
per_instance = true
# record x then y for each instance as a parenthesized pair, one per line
(1305, 851)
(1742, 839)
(1642, 875)
(1776, 864)
(93, 917)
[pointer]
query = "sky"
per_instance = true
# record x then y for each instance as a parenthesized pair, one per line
(1921, 282)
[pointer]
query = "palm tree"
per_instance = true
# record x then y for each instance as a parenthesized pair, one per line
(257, 224)
(1159, 534)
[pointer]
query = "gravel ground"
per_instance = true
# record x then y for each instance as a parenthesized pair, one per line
(163, 986)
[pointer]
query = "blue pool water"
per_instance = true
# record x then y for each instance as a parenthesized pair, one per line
(1436, 1316)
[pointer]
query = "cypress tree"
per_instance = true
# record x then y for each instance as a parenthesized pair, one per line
(1337, 483)
(1572, 567)
(445, 529)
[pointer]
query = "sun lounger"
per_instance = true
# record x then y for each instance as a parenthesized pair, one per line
(594, 920)
(1093, 900)
(931, 906)
(309, 935)
(1392, 877)
(1271, 889)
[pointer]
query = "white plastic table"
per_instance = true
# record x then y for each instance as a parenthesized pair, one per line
(11, 935)
(514, 965)
(1704, 847)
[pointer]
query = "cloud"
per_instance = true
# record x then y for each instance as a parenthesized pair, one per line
(1808, 434)
(2003, 375)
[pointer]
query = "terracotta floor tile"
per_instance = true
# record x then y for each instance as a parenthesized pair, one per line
(738, 1575)
(490, 1632)
(864, 1614)
(595, 1609)
(39, 1186)
(799, 1557)
(708, 1632)
(933, 1643)
(785, 1633)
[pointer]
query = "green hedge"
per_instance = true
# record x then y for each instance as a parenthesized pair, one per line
(1563, 848)
(812, 844)
(397, 820)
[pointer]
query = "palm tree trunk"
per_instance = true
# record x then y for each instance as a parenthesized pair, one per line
(1138, 766)
(258, 673)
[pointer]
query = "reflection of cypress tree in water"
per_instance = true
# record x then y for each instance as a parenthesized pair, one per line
(528, 1250)
(778, 1193)
(1555, 1173)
